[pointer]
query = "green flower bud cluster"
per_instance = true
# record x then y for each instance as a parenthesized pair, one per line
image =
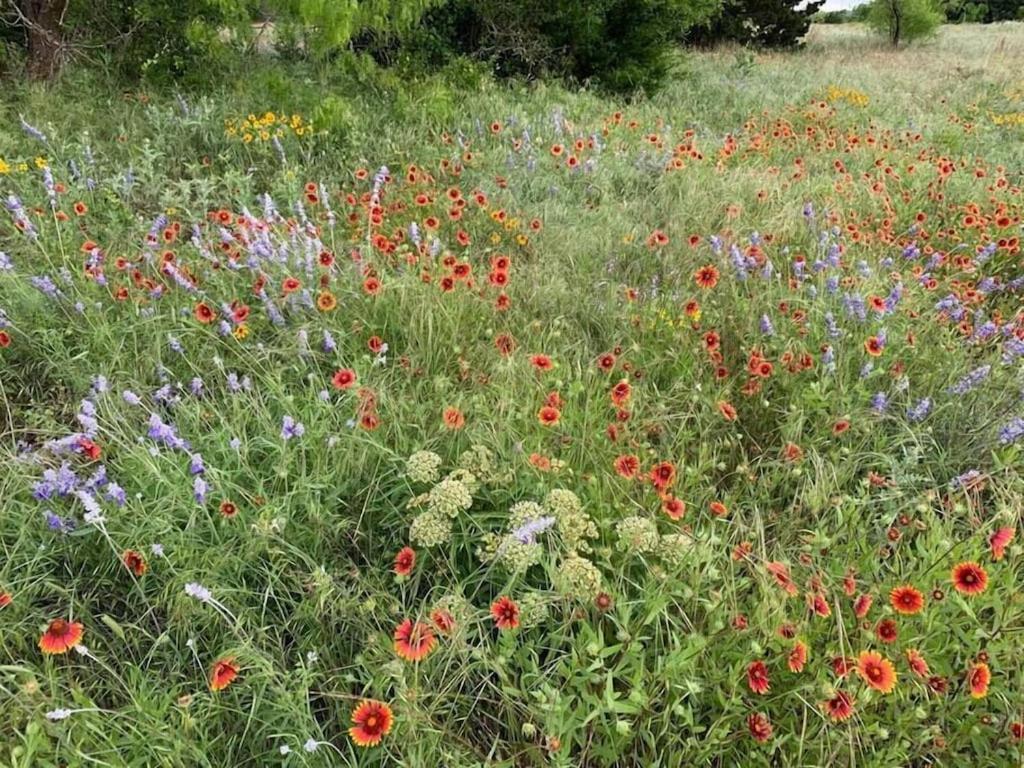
(430, 529)
(578, 578)
(573, 523)
(423, 467)
(637, 535)
(449, 497)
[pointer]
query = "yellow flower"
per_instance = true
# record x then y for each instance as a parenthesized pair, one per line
(522, 239)
(4, 167)
(41, 162)
(22, 167)
(264, 136)
(247, 138)
(326, 302)
(241, 331)
(495, 238)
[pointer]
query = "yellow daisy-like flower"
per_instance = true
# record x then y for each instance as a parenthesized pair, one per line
(240, 332)
(41, 162)
(326, 301)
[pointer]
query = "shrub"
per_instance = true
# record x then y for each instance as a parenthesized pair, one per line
(904, 19)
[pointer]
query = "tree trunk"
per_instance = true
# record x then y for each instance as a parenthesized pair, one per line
(44, 27)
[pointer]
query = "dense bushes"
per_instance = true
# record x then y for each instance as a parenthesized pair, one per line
(619, 45)
(767, 23)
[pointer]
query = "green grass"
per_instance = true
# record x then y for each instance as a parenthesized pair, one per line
(306, 601)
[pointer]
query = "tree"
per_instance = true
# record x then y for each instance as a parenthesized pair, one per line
(904, 19)
(766, 23)
(42, 23)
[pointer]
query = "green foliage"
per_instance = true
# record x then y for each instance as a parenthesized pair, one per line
(983, 11)
(904, 20)
(618, 45)
(765, 23)
(858, 13)
(331, 24)
(163, 40)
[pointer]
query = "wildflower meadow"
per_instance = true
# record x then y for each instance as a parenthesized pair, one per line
(354, 421)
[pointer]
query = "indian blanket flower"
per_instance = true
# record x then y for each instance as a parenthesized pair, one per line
(780, 571)
(405, 560)
(223, 673)
(874, 346)
(887, 631)
(453, 418)
(757, 677)
(674, 508)
(978, 678)
(344, 378)
(760, 727)
(371, 721)
(549, 416)
(969, 578)
(61, 636)
(906, 599)
(797, 657)
(917, 663)
(443, 620)
(663, 475)
(134, 562)
(839, 708)
(999, 541)
(505, 613)
(627, 466)
(819, 605)
(877, 671)
(414, 640)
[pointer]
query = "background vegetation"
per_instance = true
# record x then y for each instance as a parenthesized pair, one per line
(843, 161)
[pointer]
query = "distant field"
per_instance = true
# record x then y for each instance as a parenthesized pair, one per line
(356, 419)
